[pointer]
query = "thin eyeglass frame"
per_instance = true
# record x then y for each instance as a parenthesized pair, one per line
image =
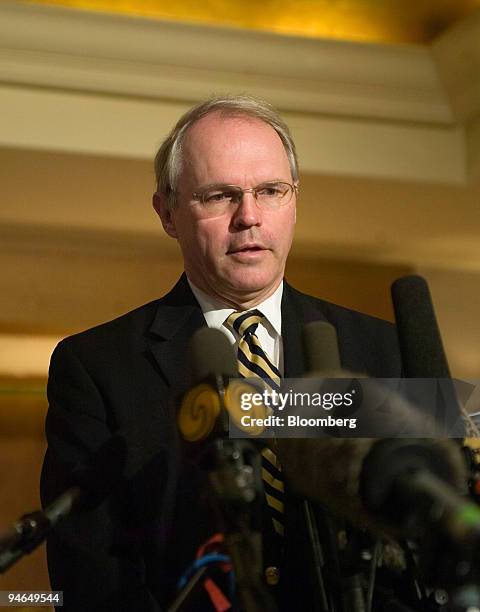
(200, 197)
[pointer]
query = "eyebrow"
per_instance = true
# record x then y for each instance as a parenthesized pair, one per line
(221, 185)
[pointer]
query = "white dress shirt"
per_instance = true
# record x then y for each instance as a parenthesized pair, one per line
(268, 332)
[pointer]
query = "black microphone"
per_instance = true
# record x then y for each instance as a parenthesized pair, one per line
(418, 489)
(421, 348)
(358, 478)
(85, 487)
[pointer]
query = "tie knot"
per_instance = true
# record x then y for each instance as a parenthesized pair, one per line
(244, 322)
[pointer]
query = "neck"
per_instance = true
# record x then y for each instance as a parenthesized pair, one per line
(245, 301)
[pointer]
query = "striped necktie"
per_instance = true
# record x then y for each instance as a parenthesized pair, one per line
(254, 362)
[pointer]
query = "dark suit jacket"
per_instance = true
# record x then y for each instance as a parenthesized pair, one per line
(128, 552)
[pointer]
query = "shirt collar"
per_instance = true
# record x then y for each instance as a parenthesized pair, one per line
(215, 311)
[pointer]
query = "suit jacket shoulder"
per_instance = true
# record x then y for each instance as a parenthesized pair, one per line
(159, 318)
(367, 344)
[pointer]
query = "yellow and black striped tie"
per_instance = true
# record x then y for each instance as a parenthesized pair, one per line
(253, 362)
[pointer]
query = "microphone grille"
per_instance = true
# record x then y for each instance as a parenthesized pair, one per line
(210, 353)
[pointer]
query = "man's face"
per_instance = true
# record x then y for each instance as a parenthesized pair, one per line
(239, 255)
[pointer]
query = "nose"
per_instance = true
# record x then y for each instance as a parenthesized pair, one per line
(248, 213)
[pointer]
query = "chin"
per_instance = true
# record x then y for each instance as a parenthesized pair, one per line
(252, 282)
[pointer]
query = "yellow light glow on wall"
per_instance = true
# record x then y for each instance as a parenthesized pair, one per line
(387, 21)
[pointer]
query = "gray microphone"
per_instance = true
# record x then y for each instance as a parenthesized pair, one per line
(348, 475)
(320, 347)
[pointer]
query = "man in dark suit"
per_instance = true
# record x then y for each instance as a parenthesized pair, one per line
(227, 186)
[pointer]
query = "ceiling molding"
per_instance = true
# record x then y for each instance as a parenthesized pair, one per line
(72, 81)
(104, 53)
(80, 123)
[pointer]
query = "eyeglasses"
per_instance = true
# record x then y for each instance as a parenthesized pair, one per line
(218, 199)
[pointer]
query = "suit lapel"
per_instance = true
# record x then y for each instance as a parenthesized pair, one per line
(177, 318)
(296, 312)
(293, 361)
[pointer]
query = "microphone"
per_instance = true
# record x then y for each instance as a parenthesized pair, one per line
(116, 466)
(210, 354)
(421, 347)
(370, 481)
(87, 486)
(211, 363)
(216, 390)
(320, 347)
(304, 461)
(204, 417)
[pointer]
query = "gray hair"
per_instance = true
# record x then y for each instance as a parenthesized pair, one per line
(169, 158)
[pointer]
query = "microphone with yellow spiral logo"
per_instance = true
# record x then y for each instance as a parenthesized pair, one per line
(215, 396)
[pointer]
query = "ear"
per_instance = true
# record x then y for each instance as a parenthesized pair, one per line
(162, 209)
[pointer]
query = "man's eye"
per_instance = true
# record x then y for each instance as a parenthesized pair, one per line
(270, 190)
(218, 196)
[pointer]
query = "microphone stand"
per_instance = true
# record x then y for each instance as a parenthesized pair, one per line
(341, 589)
(318, 559)
(234, 470)
(235, 474)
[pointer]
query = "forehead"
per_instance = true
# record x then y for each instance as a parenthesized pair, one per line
(236, 150)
